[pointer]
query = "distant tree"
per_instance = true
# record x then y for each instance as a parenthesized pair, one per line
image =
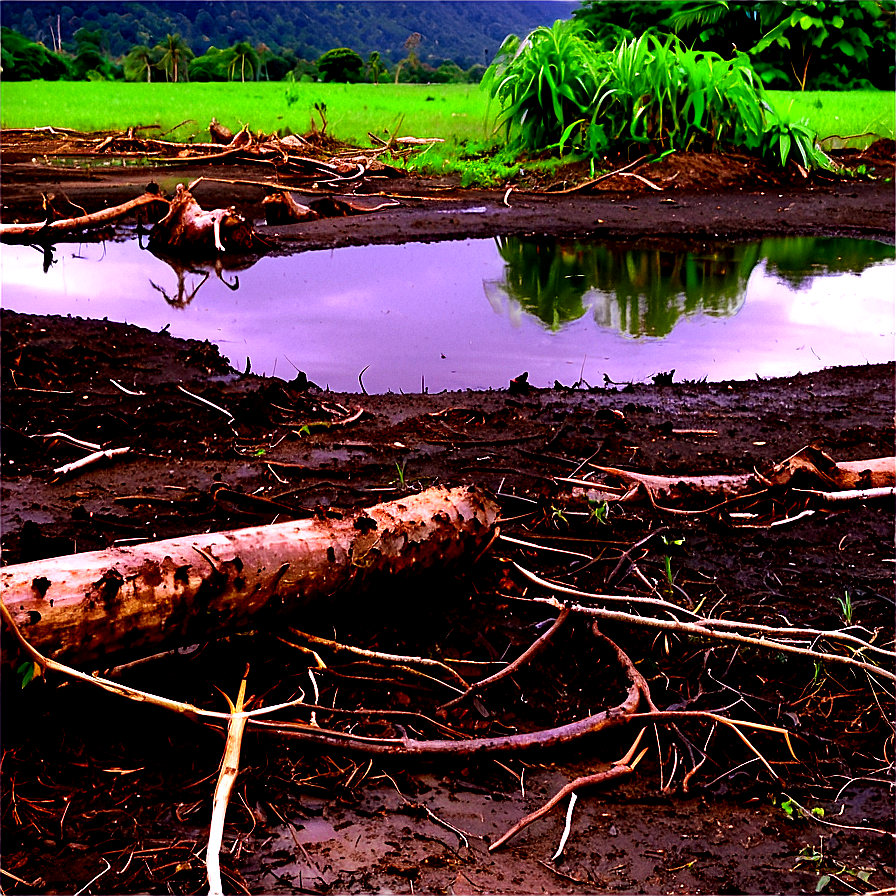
(264, 53)
(174, 57)
(475, 72)
(375, 67)
(242, 56)
(340, 64)
(448, 73)
(411, 60)
(139, 63)
(212, 65)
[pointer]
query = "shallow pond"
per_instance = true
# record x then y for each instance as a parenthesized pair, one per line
(476, 313)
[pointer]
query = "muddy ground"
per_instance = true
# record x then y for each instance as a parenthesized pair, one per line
(92, 786)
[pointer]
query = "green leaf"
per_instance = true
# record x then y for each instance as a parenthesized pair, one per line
(823, 881)
(837, 22)
(26, 671)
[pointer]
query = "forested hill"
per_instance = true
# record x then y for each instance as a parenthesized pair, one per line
(464, 31)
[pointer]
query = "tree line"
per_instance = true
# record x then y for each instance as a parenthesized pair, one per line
(172, 60)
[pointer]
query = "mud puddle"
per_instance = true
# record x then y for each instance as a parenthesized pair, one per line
(476, 313)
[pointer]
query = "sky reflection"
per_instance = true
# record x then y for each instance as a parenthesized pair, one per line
(431, 316)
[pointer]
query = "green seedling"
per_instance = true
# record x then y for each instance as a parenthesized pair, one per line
(667, 558)
(557, 515)
(598, 512)
(846, 607)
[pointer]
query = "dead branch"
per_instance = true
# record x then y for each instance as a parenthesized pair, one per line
(70, 225)
(624, 766)
(86, 607)
(336, 647)
(533, 650)
(230, 767)
(404, 746)
(719, 629)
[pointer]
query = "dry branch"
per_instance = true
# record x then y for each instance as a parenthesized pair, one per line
(84, 608)
(70, 225)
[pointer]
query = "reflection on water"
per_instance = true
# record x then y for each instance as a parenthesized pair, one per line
(646, 292)
(415, 315)
(638, 292)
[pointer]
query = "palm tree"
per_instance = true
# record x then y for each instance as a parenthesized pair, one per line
(139, 63)
(175, 55)
(243, 53)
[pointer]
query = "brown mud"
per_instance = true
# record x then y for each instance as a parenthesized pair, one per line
(91, 786)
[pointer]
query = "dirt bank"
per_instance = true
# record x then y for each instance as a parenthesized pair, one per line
(92, 786)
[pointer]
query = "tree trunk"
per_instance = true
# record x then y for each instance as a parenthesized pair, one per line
(85, 609)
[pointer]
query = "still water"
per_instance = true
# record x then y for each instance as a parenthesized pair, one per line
(475, 313)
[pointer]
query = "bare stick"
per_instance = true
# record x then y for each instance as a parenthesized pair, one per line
(857, 494)
(716, 627)
(108, 454)
(566, 828)
(624, 766)
(337, 647)
(597, 180)
(93, 446)
(230, 767)
(520, 661)
(205, 401)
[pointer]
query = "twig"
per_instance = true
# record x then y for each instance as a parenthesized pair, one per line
(93, 446)
(230, 767)
(337, 647)
(624, 766)
(857, 494)
(566, 828)
(108, 454)
(715, 628)
(533, 650)
(597, 180)
(123, 389)
(205, 401)
(643, 180)
(95, 879)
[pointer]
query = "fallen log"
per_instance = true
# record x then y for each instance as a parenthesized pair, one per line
(84, 609)
(40, 229)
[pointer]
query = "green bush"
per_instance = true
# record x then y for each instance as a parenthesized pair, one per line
(340, 64)
(25, 60)
(557, 91)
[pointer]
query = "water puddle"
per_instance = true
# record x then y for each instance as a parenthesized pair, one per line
(476, 313)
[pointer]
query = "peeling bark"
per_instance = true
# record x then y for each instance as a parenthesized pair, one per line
(85, 608)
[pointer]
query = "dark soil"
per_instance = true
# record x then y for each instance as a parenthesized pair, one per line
(93, 784)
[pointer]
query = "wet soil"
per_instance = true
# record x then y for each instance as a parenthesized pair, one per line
(93, 786)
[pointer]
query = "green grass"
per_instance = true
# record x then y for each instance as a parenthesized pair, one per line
(844, 114)
(455, 112)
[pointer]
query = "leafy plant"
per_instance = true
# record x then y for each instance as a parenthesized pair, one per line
(786, 140)
(544, 82)
(558, 92)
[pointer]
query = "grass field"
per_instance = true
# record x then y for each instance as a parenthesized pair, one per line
(456, 113)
